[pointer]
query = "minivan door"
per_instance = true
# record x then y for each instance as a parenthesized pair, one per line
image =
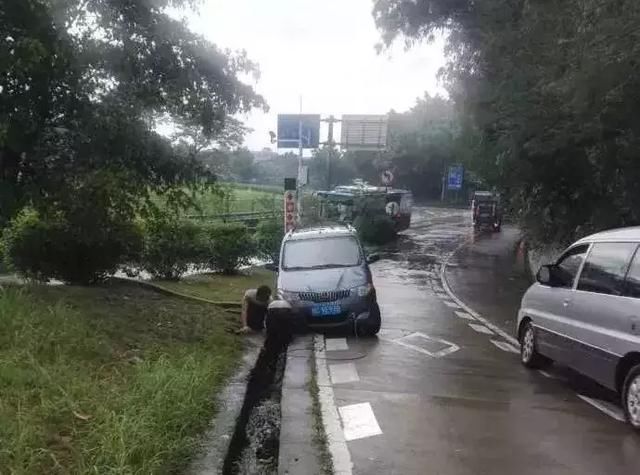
(550, 306)
(599, 314)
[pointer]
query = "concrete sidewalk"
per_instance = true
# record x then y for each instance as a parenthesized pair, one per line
(299, 452)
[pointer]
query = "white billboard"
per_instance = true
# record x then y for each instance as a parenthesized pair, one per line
(364, 132)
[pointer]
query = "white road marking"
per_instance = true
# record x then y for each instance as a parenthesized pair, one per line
(504, 346)
(336, 344)
(450, 304)
(340, 454)
(549, 375)
(604, 406)
(359, 421)
(451, 347)
(464, 315)
(343, 373)
(480, 328)
(468, 309)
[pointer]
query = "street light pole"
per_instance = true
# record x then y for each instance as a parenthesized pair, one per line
(300, 151)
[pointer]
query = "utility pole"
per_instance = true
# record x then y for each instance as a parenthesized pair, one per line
(298, 185)
(444, 180)
(331, 120)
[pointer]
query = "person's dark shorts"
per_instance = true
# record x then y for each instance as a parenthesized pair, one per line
(255, 316)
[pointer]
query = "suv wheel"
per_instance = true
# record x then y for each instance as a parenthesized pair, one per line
(529, 355)
(631, 397)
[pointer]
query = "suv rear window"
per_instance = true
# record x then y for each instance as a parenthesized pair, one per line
(321, 253)
(605, 267)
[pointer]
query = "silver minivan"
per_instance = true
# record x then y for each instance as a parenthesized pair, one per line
(584, 312)
(324, 275)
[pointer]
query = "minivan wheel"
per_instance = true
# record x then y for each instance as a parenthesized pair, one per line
(375, 320)
(371, 325)
(631, 397)
(529, 355)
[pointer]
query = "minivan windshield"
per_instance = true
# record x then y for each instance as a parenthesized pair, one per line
(321, 253)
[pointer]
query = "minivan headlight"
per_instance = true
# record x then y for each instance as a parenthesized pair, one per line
(288, 296)
(364, 290)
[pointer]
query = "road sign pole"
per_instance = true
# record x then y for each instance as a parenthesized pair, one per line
(300, 150)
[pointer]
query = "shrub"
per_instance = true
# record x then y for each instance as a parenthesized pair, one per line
(230, 246)
(268, 239)
(375, 229)
(71, 249)
(171, 246)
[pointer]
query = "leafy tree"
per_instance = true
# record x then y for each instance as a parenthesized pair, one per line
(548, 92)
(241, 164)
(230, 247)
(268, 239)
(340, 170)
(172, 246)
(423, 144)
(82, 84)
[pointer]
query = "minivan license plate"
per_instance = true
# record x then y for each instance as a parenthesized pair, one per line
(325, 310)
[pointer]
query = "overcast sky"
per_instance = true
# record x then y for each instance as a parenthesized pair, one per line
(322, 50)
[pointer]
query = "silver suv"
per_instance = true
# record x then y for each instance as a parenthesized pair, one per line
(584, 312)
(324, 274)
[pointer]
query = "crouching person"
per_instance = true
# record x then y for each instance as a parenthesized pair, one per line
(254, 309)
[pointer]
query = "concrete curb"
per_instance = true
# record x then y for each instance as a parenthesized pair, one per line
(163, 290)
(297, 453)
(215, 443)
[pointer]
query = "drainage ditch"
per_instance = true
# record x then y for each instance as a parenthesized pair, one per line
(255, 442)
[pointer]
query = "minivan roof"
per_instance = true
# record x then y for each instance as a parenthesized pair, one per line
(631, 234)
(320, 231)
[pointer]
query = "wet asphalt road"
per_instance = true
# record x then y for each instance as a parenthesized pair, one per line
(440, 393)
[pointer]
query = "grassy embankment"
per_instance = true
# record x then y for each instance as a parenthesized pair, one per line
(112, 379)
(235, 198)
(219, 287)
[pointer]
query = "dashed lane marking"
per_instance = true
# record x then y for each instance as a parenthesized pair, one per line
(468, 309)
(450, 304)
(604, 406)
(343, 373)
(336, 344)
(549, 375)
(359, 421)
(504, 346)
(480, 328)
(464, 315)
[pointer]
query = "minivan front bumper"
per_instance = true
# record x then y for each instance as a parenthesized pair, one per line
(352, 309)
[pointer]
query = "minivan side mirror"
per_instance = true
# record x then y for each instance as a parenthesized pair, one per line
(371, 258)
(545, 275)
(271, 266)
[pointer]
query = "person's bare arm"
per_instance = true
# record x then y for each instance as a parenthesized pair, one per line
(243, 312)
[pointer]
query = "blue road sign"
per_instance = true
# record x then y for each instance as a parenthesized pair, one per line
(455, 178)
(288, 128)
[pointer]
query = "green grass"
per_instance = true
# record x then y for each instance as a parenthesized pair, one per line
(234, 198)
(109, 380)
(238, 200)
(320, 440)
(221, 288)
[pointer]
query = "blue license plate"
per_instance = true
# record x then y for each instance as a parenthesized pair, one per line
(325, 310)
